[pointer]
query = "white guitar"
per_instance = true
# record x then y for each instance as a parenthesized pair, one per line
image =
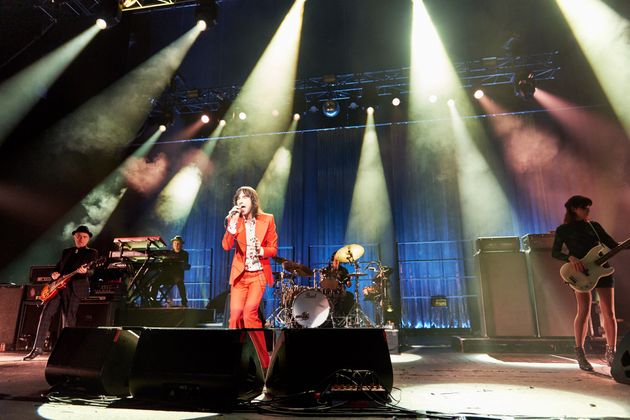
(593, 261)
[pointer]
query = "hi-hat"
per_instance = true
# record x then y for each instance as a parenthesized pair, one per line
(349, 253)
(298, 269)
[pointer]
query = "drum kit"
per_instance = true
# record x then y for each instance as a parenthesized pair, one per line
(325, 302)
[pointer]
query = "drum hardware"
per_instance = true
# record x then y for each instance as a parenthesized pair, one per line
(350, 254)
(378, 291)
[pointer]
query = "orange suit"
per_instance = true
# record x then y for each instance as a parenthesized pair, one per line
(267, 238)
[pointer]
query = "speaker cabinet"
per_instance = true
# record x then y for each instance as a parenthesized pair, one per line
(29, 319)
(554, 300)
(620, 369)
(10, 300)
(96, 314)
(97, 360)
(201, 366)
(306, 360)
(505, 302)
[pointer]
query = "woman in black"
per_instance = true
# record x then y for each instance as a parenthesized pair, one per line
(579, 235)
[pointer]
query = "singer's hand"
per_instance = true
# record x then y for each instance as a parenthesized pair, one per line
(233, 213)
(259, 249)
(82, 269)
(55, 275)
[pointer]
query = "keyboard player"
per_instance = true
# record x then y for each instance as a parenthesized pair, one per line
(172, 273)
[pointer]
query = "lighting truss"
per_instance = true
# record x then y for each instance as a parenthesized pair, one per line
(480, 72)
(63, 9)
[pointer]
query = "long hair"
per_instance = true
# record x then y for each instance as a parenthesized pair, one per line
(573, 203)
(253, 195)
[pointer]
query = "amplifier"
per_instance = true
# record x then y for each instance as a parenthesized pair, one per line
(111, 290)
(538, 241)
(41, 273)
(498, 244)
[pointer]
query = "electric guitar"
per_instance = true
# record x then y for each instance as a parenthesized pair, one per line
(593, 263)
(51, 289)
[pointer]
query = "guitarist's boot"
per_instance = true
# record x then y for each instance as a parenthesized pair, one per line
(581, 359)
(37, 351)
(610, 355)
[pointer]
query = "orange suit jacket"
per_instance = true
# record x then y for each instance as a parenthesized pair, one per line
(267, 237)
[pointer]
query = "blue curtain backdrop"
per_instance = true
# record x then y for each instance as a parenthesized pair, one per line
(430, 255)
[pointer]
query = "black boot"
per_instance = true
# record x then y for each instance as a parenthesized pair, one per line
(37, 351)
(581, 359)
(610, 355)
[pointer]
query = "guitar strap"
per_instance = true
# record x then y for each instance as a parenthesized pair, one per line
(595, 230)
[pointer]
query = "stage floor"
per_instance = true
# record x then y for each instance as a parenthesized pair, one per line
(428, 380)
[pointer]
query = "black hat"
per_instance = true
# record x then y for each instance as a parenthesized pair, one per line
(178, 238)
(82, 229)
(577, 201)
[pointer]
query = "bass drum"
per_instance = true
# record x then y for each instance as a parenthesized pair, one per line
(310, 308)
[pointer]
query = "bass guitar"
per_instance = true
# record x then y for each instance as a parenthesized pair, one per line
(594, 269)
(51, 290)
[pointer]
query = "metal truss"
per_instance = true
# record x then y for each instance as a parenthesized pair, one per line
(63, 9)
(354, 86)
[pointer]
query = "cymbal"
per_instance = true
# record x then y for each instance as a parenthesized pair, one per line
(298, 269)
(357, 274)
(349, 253)
(279, 260)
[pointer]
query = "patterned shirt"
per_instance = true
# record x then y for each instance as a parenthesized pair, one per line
(252, 261)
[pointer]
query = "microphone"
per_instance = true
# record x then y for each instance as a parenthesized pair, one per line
(232, 213)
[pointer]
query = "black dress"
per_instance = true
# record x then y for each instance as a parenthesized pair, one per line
(579, 237)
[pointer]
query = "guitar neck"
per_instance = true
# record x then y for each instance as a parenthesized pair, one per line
(601, 260)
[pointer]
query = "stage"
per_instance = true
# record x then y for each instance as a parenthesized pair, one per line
(429, 380)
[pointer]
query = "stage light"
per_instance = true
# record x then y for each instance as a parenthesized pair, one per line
(525, 87)
(222, 123)
(396, 101)
(433, 99)
(162, 128)
(205, 118)
(101, 24)
(296, 117)
(108, 14)
(330, 108)
(450, 102)
(206, 14)
(275, 113)
(370, 110)
(478, 94)
(242, 116)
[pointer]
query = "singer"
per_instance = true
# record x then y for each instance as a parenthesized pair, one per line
(254, 234)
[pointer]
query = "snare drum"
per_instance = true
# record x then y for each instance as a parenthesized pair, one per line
(310, 308)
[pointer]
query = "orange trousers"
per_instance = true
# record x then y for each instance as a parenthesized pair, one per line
(245, 296)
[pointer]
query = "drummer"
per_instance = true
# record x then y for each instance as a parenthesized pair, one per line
(335, 278)
(334, 275)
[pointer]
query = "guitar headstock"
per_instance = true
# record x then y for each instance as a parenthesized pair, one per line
(97, 263)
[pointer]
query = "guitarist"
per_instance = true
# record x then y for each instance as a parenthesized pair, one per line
(579, 235)
(68, 299)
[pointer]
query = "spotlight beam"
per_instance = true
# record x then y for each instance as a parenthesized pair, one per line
(110, 120)
(370, 206)
(272, 187)
(603, 36)
(22, 91)
(93, 210)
